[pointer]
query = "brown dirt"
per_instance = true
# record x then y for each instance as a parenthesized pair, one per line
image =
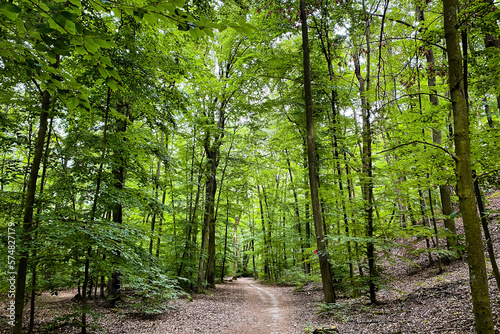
(242, 306)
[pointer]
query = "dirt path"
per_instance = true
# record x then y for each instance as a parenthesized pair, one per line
(243, 306)
(266, 311)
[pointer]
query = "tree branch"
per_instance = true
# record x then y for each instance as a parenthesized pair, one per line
(395, 20)
(419, 142)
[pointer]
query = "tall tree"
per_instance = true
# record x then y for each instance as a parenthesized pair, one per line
(465, 185)
(326, 273)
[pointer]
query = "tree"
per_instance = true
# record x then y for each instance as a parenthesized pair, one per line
(326, 274)
(465, 185)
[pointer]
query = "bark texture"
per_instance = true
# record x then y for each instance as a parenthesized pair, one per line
(465, 185)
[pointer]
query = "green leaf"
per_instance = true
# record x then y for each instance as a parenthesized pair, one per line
(128, 11)
(91, 45)
(43, 6)
(103, 72)
(70, 26)
(45, 29)
(10, 10)
(61, 48)
(105, 43)
(68, 16)
(61, 20)
(113, 73)
(74, 41)
(111, 84)
(248, 29)
(151, 19)
(170, 8)
(20, 25)
(455, 214)
(106, 61)
(79, 28)
(51, 55)
(208, 31)
(80, 50)
(179, 3)
(58, 84)
(73, 103)
(138, 16)
(41, 47)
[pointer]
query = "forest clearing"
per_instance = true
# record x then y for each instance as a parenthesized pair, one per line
(338, 159)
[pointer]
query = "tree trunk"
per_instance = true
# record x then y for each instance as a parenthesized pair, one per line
(444, 190)
(212, 186)
(271, 255)
(465, 185)
(367, 178)
(157, 181)
(425, 222)
(28, 214)
(486, 230)
(326, 274)
(235, 247)
(434, 223)
(119, 175)
(252, 245)
(264, 235)
(192, 230)
(307, 215)
(297, 213)
(223, 269)
(207, 254)
(39, 211)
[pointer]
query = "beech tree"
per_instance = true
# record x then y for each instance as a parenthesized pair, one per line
(465, 184)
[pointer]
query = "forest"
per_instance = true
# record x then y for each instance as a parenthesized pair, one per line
(150, 149)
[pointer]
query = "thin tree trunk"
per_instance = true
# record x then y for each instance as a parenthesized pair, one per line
(425, 222)
(271, 256)
(444, 190)
(434, 222)
(119, 174)
(296, 211)
(486, 230)
(225, 244)
(205, 233)
(307, 216)
(192, 218)
(38, 211)
(326, 274)
(252, 234)
(158, 241)
(264, 235)
(235, 248)
(367, 178)
(488, 113)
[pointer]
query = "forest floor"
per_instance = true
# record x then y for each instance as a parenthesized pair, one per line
(415, 298)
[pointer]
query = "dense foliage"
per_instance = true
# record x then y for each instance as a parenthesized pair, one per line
(162, 145)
